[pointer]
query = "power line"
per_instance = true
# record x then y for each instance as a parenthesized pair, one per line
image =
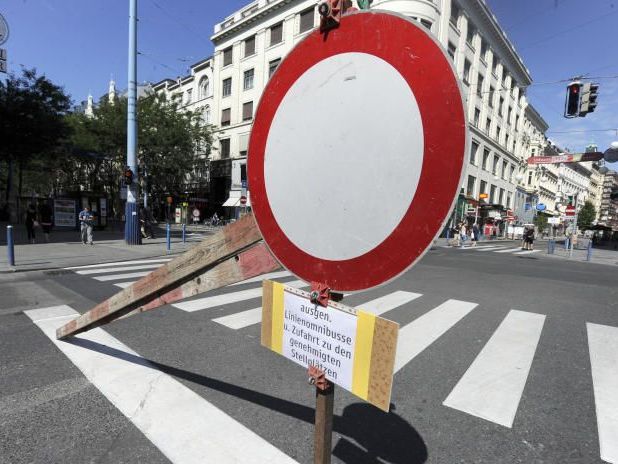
(581, 131)
(181, 23)
(145, 55)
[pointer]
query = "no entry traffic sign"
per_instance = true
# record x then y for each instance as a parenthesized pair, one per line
(357, 151)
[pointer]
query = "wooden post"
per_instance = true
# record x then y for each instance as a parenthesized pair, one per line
(323, 434)
(324, 401)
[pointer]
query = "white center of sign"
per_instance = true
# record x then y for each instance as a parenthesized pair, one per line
(344, 156)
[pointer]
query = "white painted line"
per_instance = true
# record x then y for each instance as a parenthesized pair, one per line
(121, 263)
(260, 278)
(510, 250)
(378, 306)
(220, 300)
(492, 386)
(388, 302)
(181, 424)
(527, 252)
(118, 269)
(603, 347)
(422, 332)
(125, 284)
(131, 275)
(494, 248)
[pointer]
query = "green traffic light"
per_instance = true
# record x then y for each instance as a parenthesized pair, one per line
(364, 4)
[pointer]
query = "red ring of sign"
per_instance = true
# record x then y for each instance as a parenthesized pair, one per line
(425, 66)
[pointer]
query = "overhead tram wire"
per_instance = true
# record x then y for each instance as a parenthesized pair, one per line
(181, 23)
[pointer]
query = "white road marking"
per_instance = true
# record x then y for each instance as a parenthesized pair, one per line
(493, 248)
(603, 348)
(423, 331)
(119, 269)
(181, 424)
(220, 300)
(526, 252)
(260, 278)
(131, 275)
(378, 306)
(510, 250)
(492, 386)
(121, 263)
(125, 284)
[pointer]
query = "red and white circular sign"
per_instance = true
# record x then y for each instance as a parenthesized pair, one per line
(357, 151)
(243, 200)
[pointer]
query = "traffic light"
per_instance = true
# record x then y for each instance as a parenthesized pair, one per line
(589, 94)
(330, 12)
(573, 99)
(128, 176)
(570, 200)
(364, 4)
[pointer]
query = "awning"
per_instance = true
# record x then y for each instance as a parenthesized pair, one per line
(234, 200)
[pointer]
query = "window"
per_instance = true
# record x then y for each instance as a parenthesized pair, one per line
(509, 199)
(505, 167)
(226, 116)
(473, 151)
(516, 122)
(508, 116)
(507, 141)
(225, 147)
(227, 56)
(471, 33)
(204, 87)
(248, 79)
(488, 126)
(452, 50)
(494, 169)
(206, 116)
(471, 185)
(483, 49)
(492, 93)
(455, 13)
(530, 178)
(511, 173)
(250, 46)
(499, 134)
(501, 107)
(485, 158)
(501, 196)
(227, 87)
(189, 96)
(492, 194)
(272, 67)
(494, 65)
(247, 111)
(483, 188)
(276, 34)
(479, 86)
(306, 20)
(466, 71)
(477, 117)
(426, 23)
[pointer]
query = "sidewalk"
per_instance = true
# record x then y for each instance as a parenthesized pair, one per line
(605, 256)
(65, 248)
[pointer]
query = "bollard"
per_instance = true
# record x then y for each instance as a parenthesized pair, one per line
(10, 248)
(566, 243)
(589, 253)
(549, 247)
(168, 238)
(184, 233)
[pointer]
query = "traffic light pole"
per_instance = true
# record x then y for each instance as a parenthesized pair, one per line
(132, 234)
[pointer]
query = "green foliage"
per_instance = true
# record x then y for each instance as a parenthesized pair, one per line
(586, 215)
(540, 221)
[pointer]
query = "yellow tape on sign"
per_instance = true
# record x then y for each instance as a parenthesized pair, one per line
(355, 349)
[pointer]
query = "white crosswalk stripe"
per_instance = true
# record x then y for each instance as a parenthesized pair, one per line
(603, 348)
(120, 263)
(269, 276)
(106, 270)
(495, 249)
(526, 252)
(493, 385)
(422, 332)
(220, 300)
(130, 275)
(510, 250)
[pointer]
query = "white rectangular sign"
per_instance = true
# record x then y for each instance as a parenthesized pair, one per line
(64, 213)
(553, 220)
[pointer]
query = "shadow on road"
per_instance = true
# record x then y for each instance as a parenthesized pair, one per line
(370, 435)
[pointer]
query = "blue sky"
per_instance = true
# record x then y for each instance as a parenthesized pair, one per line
(80, 44)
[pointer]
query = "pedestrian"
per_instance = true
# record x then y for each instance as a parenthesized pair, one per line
(46, 220)
(475, 234)
(463, 234)
(531, 238)
(31, 222)
(86, 220)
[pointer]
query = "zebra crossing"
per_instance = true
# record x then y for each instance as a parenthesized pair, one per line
(495, 249)
(492, 386)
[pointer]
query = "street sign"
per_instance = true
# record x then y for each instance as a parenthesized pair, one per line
(483, 196)
(541, 207)
(553, 220)
(570, 210)
(4, 30)
(243, 200)
(355, 349)
(342, 198)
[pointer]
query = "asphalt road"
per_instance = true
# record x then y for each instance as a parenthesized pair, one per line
(495, 368)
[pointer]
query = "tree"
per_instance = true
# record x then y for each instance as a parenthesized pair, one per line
(171, 141)
(540, 221)
(33, 127)
(586, 215)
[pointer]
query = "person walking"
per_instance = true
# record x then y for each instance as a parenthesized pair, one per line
(475, 234)
(463, 234)
(31, 223)
(46, 220)
(530, 238)
(86, 221)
